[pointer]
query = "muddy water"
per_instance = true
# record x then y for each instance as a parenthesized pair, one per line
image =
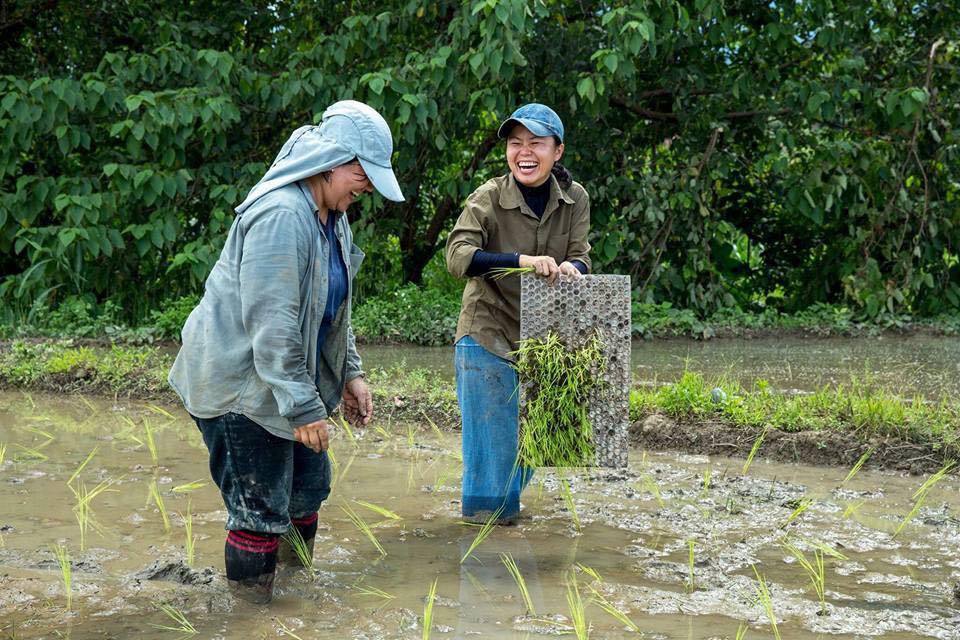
(635, 527)
(926, 365)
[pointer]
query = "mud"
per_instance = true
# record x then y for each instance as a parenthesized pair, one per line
(633, 529)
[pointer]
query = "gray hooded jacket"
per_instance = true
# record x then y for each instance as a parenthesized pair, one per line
(250, 346)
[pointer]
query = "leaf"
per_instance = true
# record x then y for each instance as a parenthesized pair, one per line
(377, 84)
(586, 89)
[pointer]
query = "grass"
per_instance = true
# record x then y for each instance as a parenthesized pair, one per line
(555, 428)
(363, 527)
(814, 570)
(161, 506)
(485, 530)
(856, 408)
(763, 595)
(514, 572)
(66, 572)
(428, 610)
(299, 546)
(183, 625)
(920, 495)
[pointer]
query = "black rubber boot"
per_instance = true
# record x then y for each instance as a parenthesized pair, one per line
(251, 561)
(307, 528)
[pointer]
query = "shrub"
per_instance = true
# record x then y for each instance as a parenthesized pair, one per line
(409, 314)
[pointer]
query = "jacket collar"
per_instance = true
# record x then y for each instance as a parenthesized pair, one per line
(511, 198)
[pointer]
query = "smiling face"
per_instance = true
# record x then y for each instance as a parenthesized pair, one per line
(531, 157)
(337, 190)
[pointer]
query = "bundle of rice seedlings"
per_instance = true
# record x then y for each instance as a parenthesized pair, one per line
(555, 428)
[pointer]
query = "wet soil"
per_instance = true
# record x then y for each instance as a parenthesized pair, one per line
(626, 541)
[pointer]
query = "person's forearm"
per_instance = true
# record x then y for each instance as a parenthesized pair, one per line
(485, 261)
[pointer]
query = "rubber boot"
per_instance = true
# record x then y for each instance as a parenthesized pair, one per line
(307, 528)
(251, 561)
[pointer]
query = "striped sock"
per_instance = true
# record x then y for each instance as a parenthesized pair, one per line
(249, 554)
(307, 525)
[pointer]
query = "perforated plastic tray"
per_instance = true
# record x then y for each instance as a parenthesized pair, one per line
(573, 309)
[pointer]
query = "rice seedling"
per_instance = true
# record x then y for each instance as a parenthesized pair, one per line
(3, 451)
(814, 570)
(189, 486)
(382, 432)
(433, 426)
(485, 529)
(857, 466)
(304, 553)
(363, 527)
(598, 599)
(410, 435)
(650, 484)
(374, 592)
(83, 464)
(502, 272)
(741, 631)
(40, 432)
(514, 572)
(555, 428)
(82, 510)
(691, 582)
(183, 625)
(151, 443)
(578, 617)
(706, 482)
(428, 610)
(191, 540)
(920, 495)
(66, 572)
(568, 501)
(160, 410)
(802, 506)
(383, 511)
(590, 571)
(343, 424)
(161, 506)
(763, 595)
(753, 451)
(284, 630)
(852, 508)
(29, 454)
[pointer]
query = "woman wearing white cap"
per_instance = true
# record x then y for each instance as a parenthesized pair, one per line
(534, 216)
(269, 353)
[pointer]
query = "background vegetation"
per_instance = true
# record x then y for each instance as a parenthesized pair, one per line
(743, 159)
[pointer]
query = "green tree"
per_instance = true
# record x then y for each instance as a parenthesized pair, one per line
(736, 153)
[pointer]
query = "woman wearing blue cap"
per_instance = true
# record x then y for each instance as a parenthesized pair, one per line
(534, 216)
(269, 353)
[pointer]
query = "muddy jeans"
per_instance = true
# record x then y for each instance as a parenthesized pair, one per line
(487, 394)
(264, 480)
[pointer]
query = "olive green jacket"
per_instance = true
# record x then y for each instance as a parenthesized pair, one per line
(496, 218)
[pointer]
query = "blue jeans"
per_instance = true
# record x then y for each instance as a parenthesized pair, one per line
(264, 480)
(489, 406)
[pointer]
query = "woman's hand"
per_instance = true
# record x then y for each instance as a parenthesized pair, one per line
(313, 435)
(357, 402)
(545, 266)
(567, 269)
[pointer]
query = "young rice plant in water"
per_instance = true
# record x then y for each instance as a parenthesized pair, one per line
(555, 429)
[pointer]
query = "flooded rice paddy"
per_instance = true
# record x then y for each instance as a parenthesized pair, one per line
(625, 545)
(907, 364)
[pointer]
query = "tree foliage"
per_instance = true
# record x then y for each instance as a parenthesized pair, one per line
(736, 153)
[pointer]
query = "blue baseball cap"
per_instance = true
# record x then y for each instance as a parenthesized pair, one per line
(538, 118)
